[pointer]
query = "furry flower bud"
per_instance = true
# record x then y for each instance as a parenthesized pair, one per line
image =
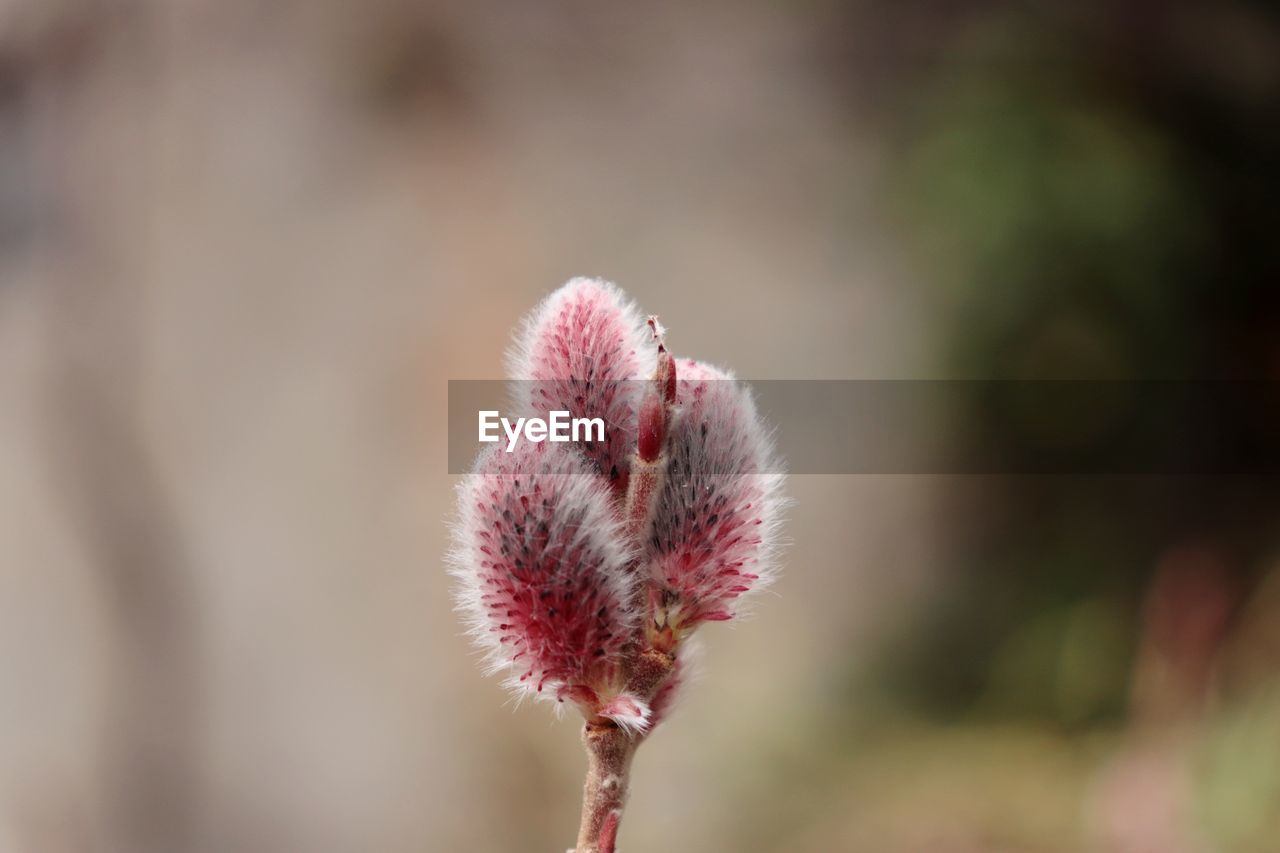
(714, 519)
(542, 565)
(581, 346)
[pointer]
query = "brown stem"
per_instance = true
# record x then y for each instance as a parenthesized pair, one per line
(609, 753)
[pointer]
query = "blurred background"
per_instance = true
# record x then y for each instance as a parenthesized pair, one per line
(244, 245)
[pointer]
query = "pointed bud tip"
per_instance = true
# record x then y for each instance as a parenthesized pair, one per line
(666, 375)
(659, 331)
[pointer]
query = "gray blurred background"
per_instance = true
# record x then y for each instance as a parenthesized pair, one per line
(244, 245)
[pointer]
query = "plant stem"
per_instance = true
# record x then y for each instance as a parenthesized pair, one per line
(609, 753)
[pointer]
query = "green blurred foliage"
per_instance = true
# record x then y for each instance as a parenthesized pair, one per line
(1239, 772)
(1059, 226)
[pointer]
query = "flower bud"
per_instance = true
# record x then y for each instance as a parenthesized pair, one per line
(713, 521)
(583, 347)
(653, 426)
(629, 712)
(543, 567)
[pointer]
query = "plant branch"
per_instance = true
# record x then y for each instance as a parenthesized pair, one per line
(609, 752)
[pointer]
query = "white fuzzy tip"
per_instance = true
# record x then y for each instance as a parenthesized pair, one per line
(630, 713)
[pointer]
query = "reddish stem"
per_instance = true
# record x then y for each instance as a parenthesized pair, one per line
(609, 754)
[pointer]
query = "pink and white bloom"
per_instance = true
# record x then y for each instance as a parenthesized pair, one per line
(542, 570)
(582, 350)
(714, 522)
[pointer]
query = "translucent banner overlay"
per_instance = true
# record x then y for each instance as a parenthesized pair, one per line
(994, 427)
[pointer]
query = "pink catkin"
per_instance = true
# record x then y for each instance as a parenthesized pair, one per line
(583, 568)
(583, 347)
(712, 532)
(543, 568)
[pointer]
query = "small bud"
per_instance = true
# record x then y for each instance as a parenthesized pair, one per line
(667, 372)
(654, 423)
(629, 712)
(653, 427)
